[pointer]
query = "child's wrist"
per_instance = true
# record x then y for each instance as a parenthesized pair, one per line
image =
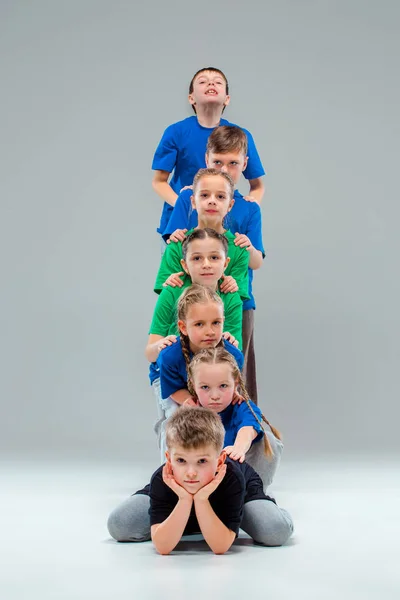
(186, 500)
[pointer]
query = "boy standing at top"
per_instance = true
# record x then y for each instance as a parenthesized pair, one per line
(227, 151)
(183, 144)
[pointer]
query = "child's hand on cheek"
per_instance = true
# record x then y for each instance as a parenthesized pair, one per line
(169, 480)
(208, 489)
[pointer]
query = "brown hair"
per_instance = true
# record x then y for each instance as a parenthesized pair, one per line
(202, 234)
(220, 355)
(194, 427)
(214, 70)
(227, 138)
(195, 294)
(213, 172)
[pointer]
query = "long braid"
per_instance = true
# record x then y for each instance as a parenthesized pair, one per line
(220, 355)
(267, 444)
(185, 348)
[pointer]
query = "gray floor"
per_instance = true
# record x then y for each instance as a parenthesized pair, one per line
(55, 544)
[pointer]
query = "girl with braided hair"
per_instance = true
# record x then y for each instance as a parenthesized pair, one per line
(200, 315)
(214, 381)
(204, 261)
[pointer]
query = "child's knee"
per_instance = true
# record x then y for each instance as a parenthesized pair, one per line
(130, 521)
(276, 532)
(116, 526)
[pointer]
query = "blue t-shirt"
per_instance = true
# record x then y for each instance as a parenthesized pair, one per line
(172, 367)
(244, 217)
(236, 416)
(182, 150)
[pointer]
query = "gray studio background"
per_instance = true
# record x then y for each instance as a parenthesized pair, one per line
(87, 88)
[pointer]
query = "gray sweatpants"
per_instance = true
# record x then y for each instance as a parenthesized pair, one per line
(264, 466)
(262, 520)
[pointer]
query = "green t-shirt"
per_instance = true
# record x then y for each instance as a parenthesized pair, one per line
(238, 266)
(165, 319)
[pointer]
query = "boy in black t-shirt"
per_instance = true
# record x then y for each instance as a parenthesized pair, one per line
(199, 490)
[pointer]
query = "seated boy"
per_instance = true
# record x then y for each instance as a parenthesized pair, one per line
(183, 144)
(227, 150)
(199, 490)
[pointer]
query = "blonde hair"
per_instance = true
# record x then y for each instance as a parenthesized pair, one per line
(220, 355)
(214, 173)
(194, 427)
(195, 294)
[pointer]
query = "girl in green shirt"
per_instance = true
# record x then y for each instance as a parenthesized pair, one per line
(213, 199)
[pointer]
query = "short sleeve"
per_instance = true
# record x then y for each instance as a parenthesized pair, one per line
(245, 418)
(180, 215)
(170, 263)
(164, 314)
(166, 153)
(236, 353)
(254, 228)
(233, 312)
(170, 377)
(254, 167)
(228, 501)
(162, 499)
(238, 267)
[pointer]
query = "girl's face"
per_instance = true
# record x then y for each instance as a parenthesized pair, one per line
(205, 262)
(203, 325)
(212, 200)
(214, 385)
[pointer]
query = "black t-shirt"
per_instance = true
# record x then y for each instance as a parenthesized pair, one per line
(241, 484)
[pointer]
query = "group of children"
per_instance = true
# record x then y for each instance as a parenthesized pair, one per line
(218, 451)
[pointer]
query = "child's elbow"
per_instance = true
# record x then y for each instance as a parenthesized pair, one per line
(218, 550)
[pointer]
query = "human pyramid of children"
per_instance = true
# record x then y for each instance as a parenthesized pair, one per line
(218, 451)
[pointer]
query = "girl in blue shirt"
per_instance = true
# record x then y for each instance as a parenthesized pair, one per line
(214, 381)
(200, 313)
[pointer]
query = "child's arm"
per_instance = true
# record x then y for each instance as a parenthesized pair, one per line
(156, 343)
(162, 188)
(238, 268)
(257, 190)
(183, 397)
(216, 534)
(242, 444)
(170, 263)
(255, 256)
(167, 534)
(233, 308)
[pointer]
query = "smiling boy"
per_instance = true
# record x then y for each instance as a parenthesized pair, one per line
(183, 144)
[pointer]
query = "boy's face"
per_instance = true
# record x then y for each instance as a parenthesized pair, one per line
(209, 87)
(214, 385)
(203, 325)
(195, 468)
(233, 163)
